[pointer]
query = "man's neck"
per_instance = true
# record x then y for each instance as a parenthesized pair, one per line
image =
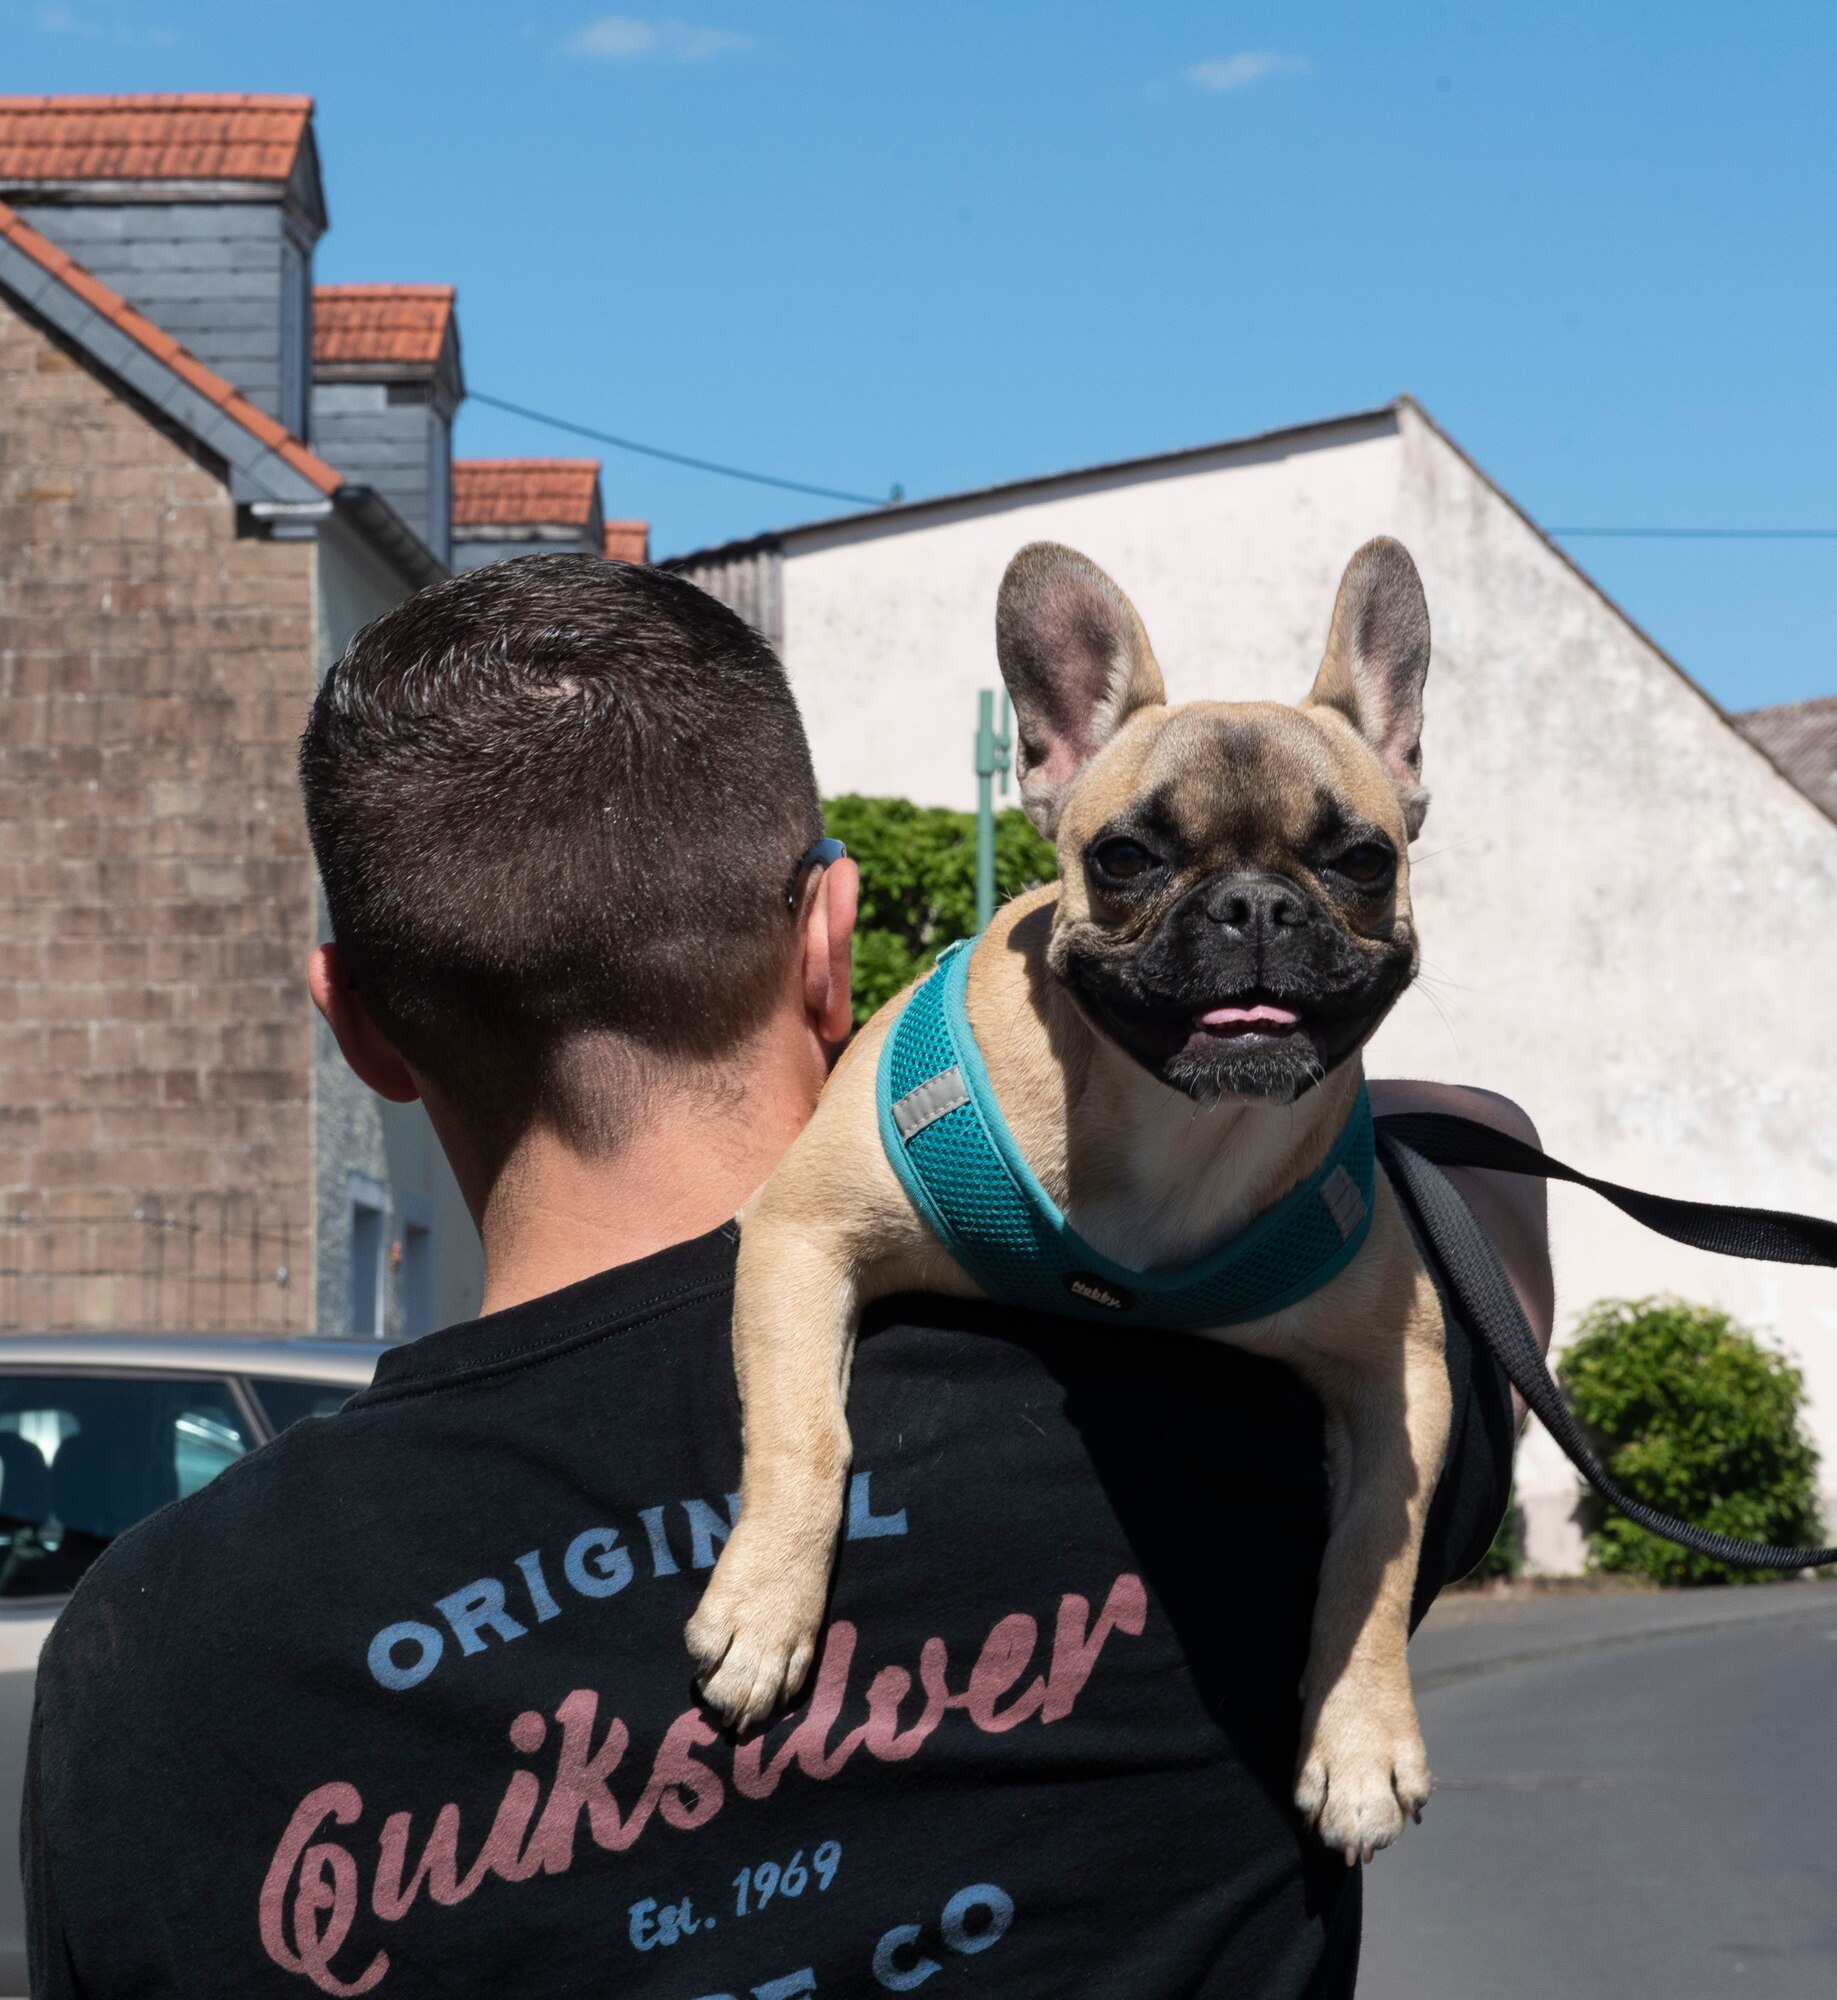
(699, 1149)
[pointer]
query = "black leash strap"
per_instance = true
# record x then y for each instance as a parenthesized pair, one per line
(1414, 1146)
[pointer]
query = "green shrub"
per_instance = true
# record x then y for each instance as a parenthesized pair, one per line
(1689, 1413)
(918, 883)
(1505, 1555)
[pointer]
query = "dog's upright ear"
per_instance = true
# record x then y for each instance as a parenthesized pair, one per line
(1077, 663)
(1376, 662)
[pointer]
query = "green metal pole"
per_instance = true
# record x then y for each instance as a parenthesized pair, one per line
(992, 758)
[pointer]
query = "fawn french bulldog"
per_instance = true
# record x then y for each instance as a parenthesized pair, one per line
(1173, 1033)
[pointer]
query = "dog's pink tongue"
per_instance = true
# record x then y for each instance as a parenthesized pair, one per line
(1249, 1017)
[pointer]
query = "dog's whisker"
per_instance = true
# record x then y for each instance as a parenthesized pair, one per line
(1435, 853)
(1427, 975)
(1447, 1021)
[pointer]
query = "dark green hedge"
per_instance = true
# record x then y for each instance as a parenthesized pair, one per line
(1689, 1413)
(1505, 1556)
(918, 882)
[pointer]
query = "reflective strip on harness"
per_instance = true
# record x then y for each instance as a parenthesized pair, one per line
(1344, 1202)
(930, 1100)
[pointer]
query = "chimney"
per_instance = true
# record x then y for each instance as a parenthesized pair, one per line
(386, 382)
(505, 507)
(201, 210)
(628, 541)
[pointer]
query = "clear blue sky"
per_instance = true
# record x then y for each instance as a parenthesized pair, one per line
(949, 243)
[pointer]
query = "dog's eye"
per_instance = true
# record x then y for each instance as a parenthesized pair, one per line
(1367, 864)
(1122, 860)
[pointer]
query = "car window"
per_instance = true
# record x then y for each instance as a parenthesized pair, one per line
(285, 1402)
(83, 1457)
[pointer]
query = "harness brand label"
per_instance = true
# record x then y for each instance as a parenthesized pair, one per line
(1097, 1291)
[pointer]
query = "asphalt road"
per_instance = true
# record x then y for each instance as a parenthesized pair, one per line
(1636, 1800)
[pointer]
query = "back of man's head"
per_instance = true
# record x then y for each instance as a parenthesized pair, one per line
(555, 804)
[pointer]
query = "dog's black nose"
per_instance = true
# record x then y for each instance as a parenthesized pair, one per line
(1258, 905)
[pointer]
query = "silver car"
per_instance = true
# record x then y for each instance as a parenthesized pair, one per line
(95, 1433)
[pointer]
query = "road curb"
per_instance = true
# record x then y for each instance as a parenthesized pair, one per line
(1469, 1645)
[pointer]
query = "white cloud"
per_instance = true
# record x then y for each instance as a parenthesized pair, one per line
(1234, 72)
(56, 19)
(625, 38)
(61, 21)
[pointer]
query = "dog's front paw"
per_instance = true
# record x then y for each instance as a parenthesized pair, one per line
(1362, 1773)
(754, 1633)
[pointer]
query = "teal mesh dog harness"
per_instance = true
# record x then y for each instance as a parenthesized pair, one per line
(952, 1150)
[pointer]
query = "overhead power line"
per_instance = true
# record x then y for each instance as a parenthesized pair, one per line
(1708, 534)
(682, 457)
(895, 494)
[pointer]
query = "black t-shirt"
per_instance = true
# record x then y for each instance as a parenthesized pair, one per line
(400, 1703)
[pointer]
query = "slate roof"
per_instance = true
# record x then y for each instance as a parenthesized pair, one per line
(394, 323)
(1801, 738)
(628, 541)
(185, 136)
(205, 382)
(524, 492)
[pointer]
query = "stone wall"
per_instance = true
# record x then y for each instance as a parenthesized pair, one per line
(155, 886)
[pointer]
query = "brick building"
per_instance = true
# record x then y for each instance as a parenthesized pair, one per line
(179, 1147)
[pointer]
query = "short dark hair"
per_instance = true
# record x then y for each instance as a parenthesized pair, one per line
(555, 800)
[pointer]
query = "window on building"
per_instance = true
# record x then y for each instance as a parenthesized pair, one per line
(417, 1269)
(368, 1204)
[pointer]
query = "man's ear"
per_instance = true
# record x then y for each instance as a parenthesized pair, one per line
(829, 929)
(1376, 662)
(362, 1043)
(1077, 663)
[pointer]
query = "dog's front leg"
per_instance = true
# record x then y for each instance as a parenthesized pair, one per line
(830, 1231)
(1363, 1764)
(796, 1296)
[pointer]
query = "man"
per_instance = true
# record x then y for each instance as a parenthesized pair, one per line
(401, 1704)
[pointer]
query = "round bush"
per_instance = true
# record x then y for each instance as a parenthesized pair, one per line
(1504, 1558)
(918, 883)
(1689, 1413)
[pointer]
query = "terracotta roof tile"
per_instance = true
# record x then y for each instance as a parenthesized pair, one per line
(188, 137)
(399, 323)
(206, 381)
(518, 492)
(628, 541)
(1801, 738)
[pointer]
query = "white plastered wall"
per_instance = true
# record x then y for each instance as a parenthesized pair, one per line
(1625, 911)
